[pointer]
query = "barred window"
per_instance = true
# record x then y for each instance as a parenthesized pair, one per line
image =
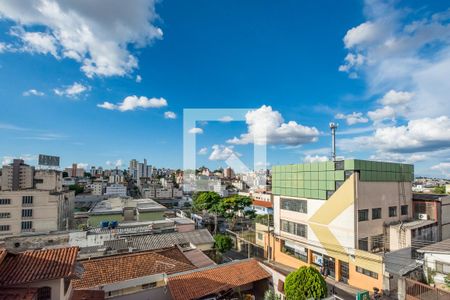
(300, 206)
(4, 227)
(376, 213)
(27, 213)
(27, 225)
(366, 272)
(5, 215)
(27, 200)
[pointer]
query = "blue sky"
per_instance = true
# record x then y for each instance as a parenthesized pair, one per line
(379, 68)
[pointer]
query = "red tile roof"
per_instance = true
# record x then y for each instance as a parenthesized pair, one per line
(117, 268)
(88, 295)
(212, 280)
(262, 203)
(198, 258)
(37, 265)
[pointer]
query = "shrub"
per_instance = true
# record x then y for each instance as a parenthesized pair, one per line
(305, 283)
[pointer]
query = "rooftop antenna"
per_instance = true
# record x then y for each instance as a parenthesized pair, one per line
(333, 127)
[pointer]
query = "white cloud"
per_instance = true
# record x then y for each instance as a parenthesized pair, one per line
(33, 92)
(421, 135)
(138, 78)
(220, 152)
(315, 158)
(404, 50)
(266, 126)
(398, 157)
(28, 158)
(395, 98)
(117, 164)
(443, 167)
(381, 114)
(134, 102)
(82, 165)
(196, 130)
(226, 119)
(353, 118)
(203, 151)
(98, 36)
(170, 115)
(72, 91)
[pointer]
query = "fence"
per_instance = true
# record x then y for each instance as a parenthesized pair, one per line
(417, 290)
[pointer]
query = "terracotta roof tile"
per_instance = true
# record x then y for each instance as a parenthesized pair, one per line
(261, 203)
(211, 280)
(36, 265)
(117, 268)
(88, 295)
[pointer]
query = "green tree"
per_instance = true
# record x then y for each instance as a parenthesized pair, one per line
(222, 243)
(305, 283)
(207, 201)
(439, 190)
(230, 206)
(270, 295)
(77, 188)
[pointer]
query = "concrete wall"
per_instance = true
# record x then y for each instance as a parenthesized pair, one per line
(151, 216)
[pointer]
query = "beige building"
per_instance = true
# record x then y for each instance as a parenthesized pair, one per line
(16, 176)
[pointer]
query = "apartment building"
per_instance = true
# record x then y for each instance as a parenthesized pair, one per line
(47, 207)
(337, 215)
(116, 190)
(16, 176)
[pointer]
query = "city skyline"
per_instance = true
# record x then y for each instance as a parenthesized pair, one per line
(377, 68)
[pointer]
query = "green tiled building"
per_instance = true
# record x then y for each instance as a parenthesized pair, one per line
(319, 180)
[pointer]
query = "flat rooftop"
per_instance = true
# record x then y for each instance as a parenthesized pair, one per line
(116, 205)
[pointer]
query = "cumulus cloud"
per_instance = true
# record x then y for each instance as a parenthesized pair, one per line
(131, 103)
(98, 36)
(170, 115)
(381, 114)
(353, 118)
(138, 78)
(443, 167)
(28, 158)
(116, 164)
(426, 134)
(72, 91)
(315, 158)
(220, 152)
(196, 130)
(33, 92)
(203, 151)
(266, 126)
(398, 157)
(400, 49)
(226, 119)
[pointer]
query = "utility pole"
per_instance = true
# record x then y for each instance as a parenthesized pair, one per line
(333, 127)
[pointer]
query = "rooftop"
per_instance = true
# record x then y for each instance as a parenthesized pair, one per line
(414, 224)
(440, 247)
(261, 203)
(429, 197)
(116, 205)
(214, 279)
(122, 267)
(37, 265)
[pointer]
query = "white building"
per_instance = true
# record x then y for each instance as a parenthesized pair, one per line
(436, 260)
(98, 188)
(116, 190)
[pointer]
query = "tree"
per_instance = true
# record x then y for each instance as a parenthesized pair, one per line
(207, 201)
(230, 206)
(439, 190)
(305, 283)
(222, 243)
(77, 188)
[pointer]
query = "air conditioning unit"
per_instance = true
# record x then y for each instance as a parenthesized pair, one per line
(422, 216)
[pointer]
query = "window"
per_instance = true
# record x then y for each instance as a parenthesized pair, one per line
(294, 250)
(27, 200)
(294, 228)
(404, 210)
(442, 268)
(4, 227)
(27, 213)
(339, 165)
(294, 205)
(5, 215)
(260, 236)
(392, 211)
(363, 244)
(376, 213)
(44, 293)
(377, 242)
(366, 272)
(5, 201)
(27, 225)
(363, 215)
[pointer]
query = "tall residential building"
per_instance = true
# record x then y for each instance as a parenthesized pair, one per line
(228, 173)
(74, 171)
(17, 176)
(338, 215)
(133, 168)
